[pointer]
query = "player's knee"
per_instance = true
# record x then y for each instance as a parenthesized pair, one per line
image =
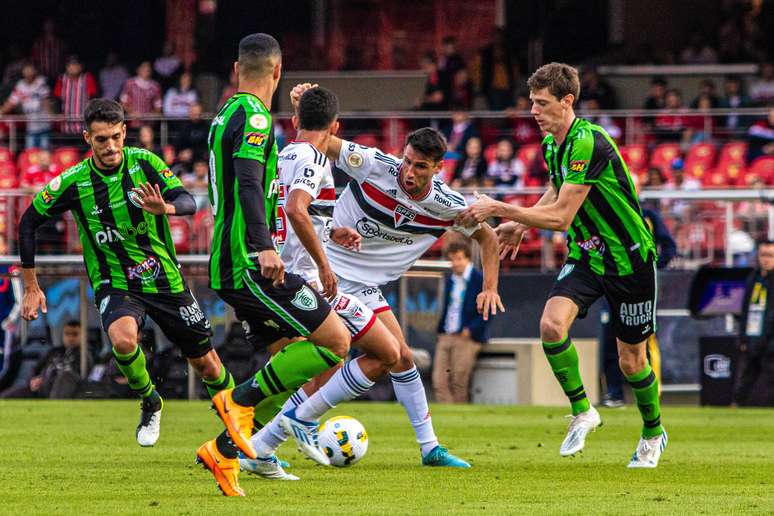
(551, 329)
(632, 363)
(391, 356)
(405, 358)
(123, 341)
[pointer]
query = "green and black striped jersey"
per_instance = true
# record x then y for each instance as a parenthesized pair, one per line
(608, 233)
(243, 128)
(124, 247)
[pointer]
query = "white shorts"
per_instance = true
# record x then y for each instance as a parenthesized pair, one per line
(370, 295)
(355, 315)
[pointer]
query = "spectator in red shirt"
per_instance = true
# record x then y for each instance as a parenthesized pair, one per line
(525, 129)
(74, 89)
(141, 95)
(41, 173)
(434, 97)
(673, 123)
(48, 50)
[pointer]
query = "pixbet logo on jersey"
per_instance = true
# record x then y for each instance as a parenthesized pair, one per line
(402, 215)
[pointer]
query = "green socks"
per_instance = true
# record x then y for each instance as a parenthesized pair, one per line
(645, 387)
(268, 408)
(222, 382)
(132, 366)
(286, 371)
(563, 358)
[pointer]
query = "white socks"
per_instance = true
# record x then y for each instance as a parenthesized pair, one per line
(347, 383)
(268, 438)
(411, 394)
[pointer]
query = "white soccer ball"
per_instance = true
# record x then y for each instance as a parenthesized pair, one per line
(344, 440)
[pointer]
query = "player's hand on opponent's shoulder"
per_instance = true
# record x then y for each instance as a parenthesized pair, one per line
(271, 266)
(33, 299)
(150, 198)
(487, 303)
(347, 237)
(479, 211)
(509, 236)
(297, 91)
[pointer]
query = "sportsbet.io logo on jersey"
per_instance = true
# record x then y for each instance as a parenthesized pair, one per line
(370, 229)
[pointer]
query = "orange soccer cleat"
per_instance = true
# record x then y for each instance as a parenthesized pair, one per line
(238, 420)
(225, 470)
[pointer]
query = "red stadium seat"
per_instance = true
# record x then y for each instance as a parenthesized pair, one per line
(6, 156)
(66, 157)
(763, 167)
(367, 139)
(203, 224)
(9, 177)
(734, 172)
(700, 160)
(663, 155)
(733, 152)
(528, 153)
(635, 156)
(27, 157)
(490, 152)
(181, 234)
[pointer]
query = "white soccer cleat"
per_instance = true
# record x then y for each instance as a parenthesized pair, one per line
(306, 434)
(265, 467)
(579, 428)
(648, 452)
(150, 423)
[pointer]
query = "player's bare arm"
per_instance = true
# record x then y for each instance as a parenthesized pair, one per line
(556, 216)
(297, 210)
(347, 238)
(488, 301)
(510, 234)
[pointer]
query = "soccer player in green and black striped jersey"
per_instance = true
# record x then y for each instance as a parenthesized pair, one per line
(247, 272)
(591, 196)
(120, 199)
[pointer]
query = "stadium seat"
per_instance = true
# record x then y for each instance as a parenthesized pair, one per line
(27, 157)
(700, 160)
(663, 155)
(734, 172)
(367, 139)
(733, 152)
(489, 152)
(9, 178)
(763, 167)
(66, 157)
(203, 224)
(181, 234)
(635, 156)
(6, 156)
(448, 169)
(528, 153)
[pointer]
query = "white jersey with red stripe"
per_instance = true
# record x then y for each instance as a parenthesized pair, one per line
(300, 166)
(396, 229)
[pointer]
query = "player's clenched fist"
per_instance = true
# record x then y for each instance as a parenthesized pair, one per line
(272, 266)
(33, 299)
(297, 91)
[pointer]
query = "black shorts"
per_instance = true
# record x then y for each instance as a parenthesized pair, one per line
(632, 298)
(269, 313)
(178, 316)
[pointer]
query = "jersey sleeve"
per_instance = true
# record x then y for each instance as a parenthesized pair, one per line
(453, 204)
(166, 179)
(584, 165)
(307, 176)
(55, 198)
(360, 162)
(252, 136)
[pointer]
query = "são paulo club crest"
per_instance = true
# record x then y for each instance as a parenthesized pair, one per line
(403, 215)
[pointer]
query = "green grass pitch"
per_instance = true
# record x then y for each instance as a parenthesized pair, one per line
(80, 457)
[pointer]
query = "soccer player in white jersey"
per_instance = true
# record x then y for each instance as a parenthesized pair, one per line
(307, 198)
(400, 208)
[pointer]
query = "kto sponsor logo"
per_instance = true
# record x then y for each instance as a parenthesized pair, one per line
(593, 244)
(147, 271)
(370, 229)
(636, 314)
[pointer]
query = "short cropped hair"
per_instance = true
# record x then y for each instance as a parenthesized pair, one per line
(428, 142)
(257, 53)
(560, 79)
(103, 110)
(317, 109)
(457, 246)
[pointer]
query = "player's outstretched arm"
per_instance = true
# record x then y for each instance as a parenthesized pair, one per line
(174, 202)
(297, 210)
(556, 216)
(488, 301)
(510, 234)
(33, 298)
